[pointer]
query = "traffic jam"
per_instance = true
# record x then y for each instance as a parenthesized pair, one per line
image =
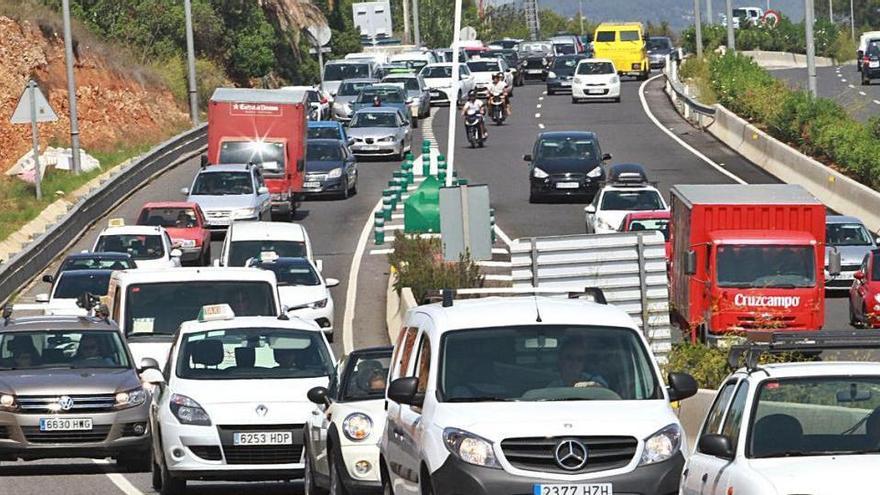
(193, 365)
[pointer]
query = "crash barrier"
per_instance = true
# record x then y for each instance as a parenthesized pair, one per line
(396, 306)
(784, 59)
(629, 267)
(684, 101)
(36, 256)
(691, 413)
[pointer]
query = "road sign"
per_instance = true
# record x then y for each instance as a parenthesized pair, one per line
(44, 112)
(464, 222)
(468, 33)
(320, 34)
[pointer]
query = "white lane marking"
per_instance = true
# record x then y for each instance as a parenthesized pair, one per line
(540, 126)
(506, 240)
(537, 115)
(351, 290)
(540, 98)
(877, 102)
(852, 87)
(538, 105)
(119, 480)
(544, 92)
(677, 139)
(863, 93)
(381, 251)
(844, 80)
(839, 74)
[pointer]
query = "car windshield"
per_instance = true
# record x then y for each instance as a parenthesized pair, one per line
(747, 266)
(847, 234)
(374, 119)
(816, 416)
(223, 184)
(180, 218)
(338, 72)
(292, 273)
(409, 83)
(365, 378)
(415, 65)
(622, 200)
(269, 155)
(139, 247)
(324, 133)
(386, 95)
(591, 68)
(741, 13)
(642, 224)
(241, 251)
(324, 152)
(630, 36)
(564, 49)
(253, 353)
(483, 66)
(565, 63)
(160, 308)
(437, 72)
(73, 264)
(873, 50)
(545, 363)
(351, 88)
(605, 36)
(73, 284)
(567, 148)
(62, 349)
(659, 44)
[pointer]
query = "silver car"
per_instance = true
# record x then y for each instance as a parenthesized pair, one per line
(380, 131)
(69, 388)
(851, 238)
(346, 94)
(230, 192)
(418, 96)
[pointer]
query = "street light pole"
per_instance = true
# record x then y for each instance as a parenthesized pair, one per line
(191, 64)
(581, 14)
(852, 20)
(831, 11)
(406, 38)
(456, 84)
(698, 29)
(731, 37)
(709, 12)
(416, 33)
(71, 89)
(811, 47)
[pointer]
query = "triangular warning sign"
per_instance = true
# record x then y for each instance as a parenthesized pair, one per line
(22, 113)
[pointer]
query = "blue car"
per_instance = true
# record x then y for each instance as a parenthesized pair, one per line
(390, 95)
(330, 168)
(328, 129)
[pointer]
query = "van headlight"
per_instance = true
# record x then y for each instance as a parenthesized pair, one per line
(539, 174)
(470, 448)
(662, 445)
(357, 426)
(335, 173)
(596, 172)
(188, 411)
(244, 213)
(130, 398)
(8, 403)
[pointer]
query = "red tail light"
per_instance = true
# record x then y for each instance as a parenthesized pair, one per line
(867, 59)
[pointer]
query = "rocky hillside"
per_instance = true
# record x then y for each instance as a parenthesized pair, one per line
(117, 104)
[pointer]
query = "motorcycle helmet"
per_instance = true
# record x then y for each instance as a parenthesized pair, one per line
(472, 95)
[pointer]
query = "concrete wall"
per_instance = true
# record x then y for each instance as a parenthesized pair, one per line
(780, 60)
(691, 413)
(396, 307)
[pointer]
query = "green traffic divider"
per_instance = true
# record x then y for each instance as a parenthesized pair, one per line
(379, 227)
(421, 211)
(492, 223)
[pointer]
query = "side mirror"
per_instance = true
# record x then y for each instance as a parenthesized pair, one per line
(263, 190)
(404, 391)
(318, 395)
(527, 158)
(716, 446)
(203, 160)
(606, 157)
(591, 209)
(152, 375)
(49, 278)
(42, 298)
(148, 363)
(690, 263)
(300, 165)
(834, 262)
(184, 191)
(859, 275)
(681, 386)
(176, 253)
(331, 282)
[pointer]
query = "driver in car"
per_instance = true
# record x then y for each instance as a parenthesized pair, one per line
(572, 364)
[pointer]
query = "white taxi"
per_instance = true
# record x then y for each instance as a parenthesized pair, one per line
(233, 400)
(627, 191)
(150, 246)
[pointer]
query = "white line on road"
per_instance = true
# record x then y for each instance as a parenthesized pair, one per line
(852, 87)
(540, 126)
(537, 115)
(678, 139)
(877, 102)
(538, 105)
(863, 93)
(544, 92)
(381, 251)
(540, 98)
(844, 80)
(502, 235)
(351, 290)
(119, 480)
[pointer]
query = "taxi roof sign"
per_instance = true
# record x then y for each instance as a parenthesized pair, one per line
(268, 256)
(116, 222)
(216, 312)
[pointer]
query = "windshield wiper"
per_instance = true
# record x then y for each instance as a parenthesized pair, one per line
(480, 398)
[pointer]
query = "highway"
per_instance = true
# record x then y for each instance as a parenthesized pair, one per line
(842, 84)
(680, 154)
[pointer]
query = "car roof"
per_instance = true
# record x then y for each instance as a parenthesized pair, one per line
(324, 123)
(133, 230)
(744, 194)
(566, 134)
(91, 255)
(291, 323)
(408, 75)
(226, 167)
(192, 274)
(377, 109)
(50, 323)
(820, 368)
(267, 230)
(842, 219)
(169, 204)
(323, 141)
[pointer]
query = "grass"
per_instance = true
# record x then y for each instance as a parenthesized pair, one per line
(696, 72)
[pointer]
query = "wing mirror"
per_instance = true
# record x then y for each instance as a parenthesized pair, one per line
(681, 386)
(176, 253)
(405, 391)
(859, 275)
(834, 262)
(606, 157)
(331, 282)
(690, 263)
(184, 191)
(263, 190)
(527, 157)
(318, 396)
(149, 371)
(48, 278)
(591, 209)
(148, 363)
(42, 298)
(716, 446)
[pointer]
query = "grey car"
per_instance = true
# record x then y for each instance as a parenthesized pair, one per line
(380, 131)
(346, 94)
(230, 192)
(851, 238)
(658, 48)
(69, 388)
(418, 96)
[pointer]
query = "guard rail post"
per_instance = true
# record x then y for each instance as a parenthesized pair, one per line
(426, 148)
(492, 224)
(395, 193)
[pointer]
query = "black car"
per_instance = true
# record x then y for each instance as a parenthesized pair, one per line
(92, 261)
(512, 59)
(560, 73)
(658, 48)
(566, 163)
(331, 168)
(871, 63)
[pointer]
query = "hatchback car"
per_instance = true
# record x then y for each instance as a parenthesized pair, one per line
(561, 73)
(227, 193)
(849, 237)
(418, 96)
(438, 78)
(331, 169)
(565, 164)
(88, 260)
(659, 47)
(626, 192)
(595, 79)
(864, 294)
(510, 56)
(380, 131)
(149, 247)
(348, 91)
(70, 286)
(185, 224)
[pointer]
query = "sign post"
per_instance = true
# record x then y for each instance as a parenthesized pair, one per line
(33, 108)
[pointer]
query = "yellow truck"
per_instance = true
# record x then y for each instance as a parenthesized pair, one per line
(624, 44)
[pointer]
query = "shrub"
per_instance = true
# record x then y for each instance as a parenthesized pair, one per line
(419, 264)
(708, 365)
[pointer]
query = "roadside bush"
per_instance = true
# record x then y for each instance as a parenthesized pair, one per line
(696, 72)
(708, 365)
(419, 264)
(844, 48)
(785, 37)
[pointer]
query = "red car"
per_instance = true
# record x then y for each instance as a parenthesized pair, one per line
(185, 224)
(649, 220)
(864, 294)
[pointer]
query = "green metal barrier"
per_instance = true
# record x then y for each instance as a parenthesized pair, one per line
(421, 211)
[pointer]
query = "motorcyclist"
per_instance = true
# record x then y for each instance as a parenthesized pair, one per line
(499, 88)
(472, 106)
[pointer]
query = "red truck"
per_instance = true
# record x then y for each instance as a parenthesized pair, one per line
(266, 127)
(747, 257)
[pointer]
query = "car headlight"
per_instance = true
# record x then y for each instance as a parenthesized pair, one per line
(539, 174)
(322, 303)
(615, 80)
(130, 398)
(470, 448)
(662, 445)
(244, 213)
(335, 173)
(551, 75)
(386, 139)
(876, 298)
(188, 411)
(596, 172)
(357, 426)
(7, 402)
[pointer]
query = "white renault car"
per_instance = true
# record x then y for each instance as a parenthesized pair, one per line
(246, 240)
(438, 78)
(595, 79)
(232, 402)
(529, 395)
(627, 191)
(150, 246)
(342, 439)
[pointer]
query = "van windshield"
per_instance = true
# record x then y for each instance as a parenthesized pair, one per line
(160, 308)
(746, 266)
(223, 184)
(545, 363)
(269, 155)
(139, 247)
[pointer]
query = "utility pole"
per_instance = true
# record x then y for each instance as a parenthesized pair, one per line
(831, 11)
(731, 36)
(581, 14)
(698, 29)
(415, 9)
(709, 20)
(809, 22)
(456, 83)
(191, 64)
(71, 90)
(852, 20)
(406, 37)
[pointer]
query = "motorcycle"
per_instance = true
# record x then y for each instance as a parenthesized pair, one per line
(474, 124)
(496, 109)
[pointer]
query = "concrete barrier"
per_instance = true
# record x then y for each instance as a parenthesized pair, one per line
(787, 60)
(692, 412)
(396, 306)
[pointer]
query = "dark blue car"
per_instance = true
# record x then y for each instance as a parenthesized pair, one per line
(330, 168)
(565, 163)
(561, 72)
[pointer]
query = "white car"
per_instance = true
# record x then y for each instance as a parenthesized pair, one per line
(342, 439)
(627, 191)
(234, 398)
(780, 429)
(438, 78)
(302, 289)
(484, 68)
(246, 240)
(595, 79)
(149, 246)
(527, 395)
(69, 287)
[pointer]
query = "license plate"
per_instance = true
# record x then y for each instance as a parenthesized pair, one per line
(369, 148)
(565, 83)
(595, 91)
(535, 71)
(311, 185)
(874, 65)
(263, 438)
(65, 424)
(588, 489)
(567, 185)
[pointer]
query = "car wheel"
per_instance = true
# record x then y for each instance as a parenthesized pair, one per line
(550, 92)
(426, 488)
(141, 463)
(337, 487)
(617, 100)
(345, 190)
(171, 486)
(532, 197)
(590, 229)
(206, 257)
(157, 476)
(354, 187)
(852, 316)
(309, 486)
(574, 100)
(386, 486)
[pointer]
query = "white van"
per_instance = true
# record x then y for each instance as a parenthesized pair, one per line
(864, 39)
(246, 240)
(529, 395)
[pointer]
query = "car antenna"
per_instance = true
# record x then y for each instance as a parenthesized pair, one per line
(7, 314)
(537, 310)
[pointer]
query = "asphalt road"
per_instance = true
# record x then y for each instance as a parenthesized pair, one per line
(842, 84)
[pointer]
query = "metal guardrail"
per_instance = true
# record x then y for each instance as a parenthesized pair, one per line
(629, 267)
(695, 112)
(39, 253)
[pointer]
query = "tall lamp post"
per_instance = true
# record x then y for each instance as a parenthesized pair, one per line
(71, 89)
(809, 23)
(191, 64)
